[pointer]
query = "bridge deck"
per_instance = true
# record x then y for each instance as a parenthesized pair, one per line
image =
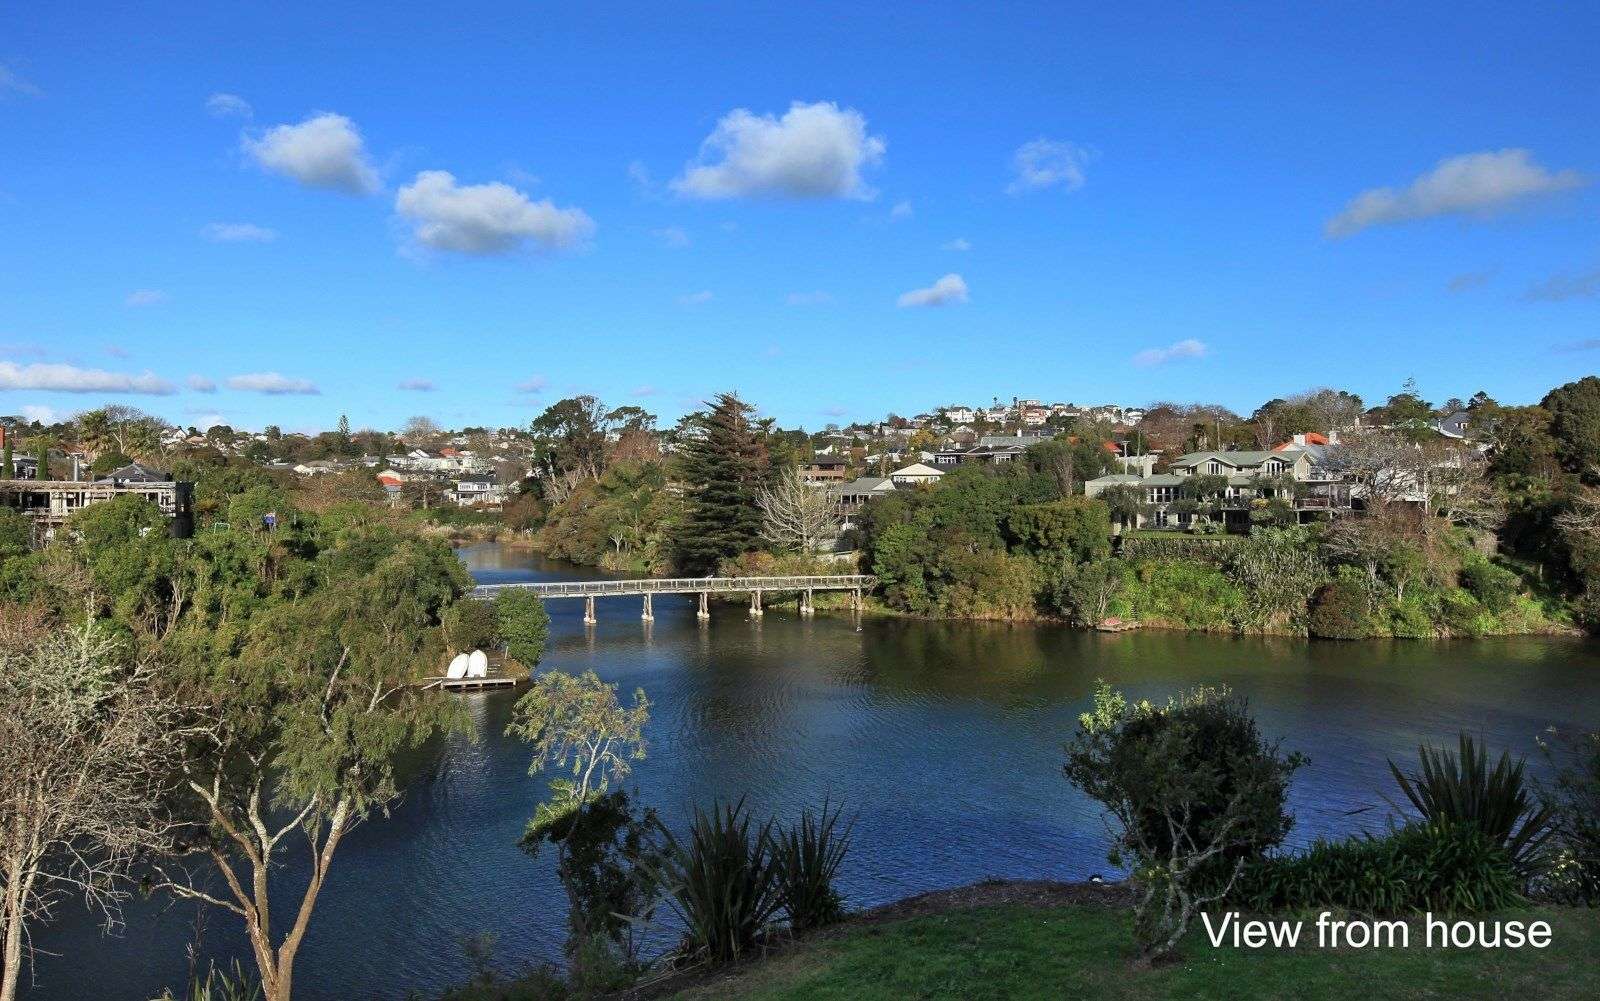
(681, 585)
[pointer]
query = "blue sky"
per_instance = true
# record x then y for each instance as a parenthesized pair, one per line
(837, 209)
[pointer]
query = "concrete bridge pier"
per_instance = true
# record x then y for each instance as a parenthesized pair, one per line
(648, 615)
(755, 605)
(807, 603)
(704, 612)
(588, 611)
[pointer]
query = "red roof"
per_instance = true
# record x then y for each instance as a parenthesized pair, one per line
(1311, 437)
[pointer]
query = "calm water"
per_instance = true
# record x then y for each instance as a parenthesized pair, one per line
(945, 737)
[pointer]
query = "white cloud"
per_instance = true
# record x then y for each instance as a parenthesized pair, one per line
(11, 81)
(1585, 285)
(492, 218)
(818, 298)
(1470, 184)
(221, 105)
(646, 390)
(834, 411)
(671, 237)
(1046, 163)
(146, 297)
(695, 298)
(201, 384)
(814, 151)
(533, 384)
(238, 232)
(960, 243)
(44, 415)
(1187, 348)
(71, 379)
(901, 210)
(417, 385)
(272, 384)
(324, 151)
(949, 289)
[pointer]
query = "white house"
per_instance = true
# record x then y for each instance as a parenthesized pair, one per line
(915, 473)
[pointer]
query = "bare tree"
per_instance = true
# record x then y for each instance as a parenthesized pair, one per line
(796, 515)
(1388, 466)
(1329, 409)
(87, 751)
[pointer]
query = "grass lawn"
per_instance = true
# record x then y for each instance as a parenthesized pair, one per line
(1081, 950)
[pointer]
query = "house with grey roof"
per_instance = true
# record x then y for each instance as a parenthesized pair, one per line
(1235, 483)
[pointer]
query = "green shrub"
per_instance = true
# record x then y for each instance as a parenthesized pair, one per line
(1194, 791)
(1340, 611)
(523, 624)
(808, 857)
(1573, 798)
(1187, 593)
(1495, 587)
(1439, 867)
(723, 883)
(609, 862)
(1461, 788)
(1412, 617)
(470, 625)
(1463, 615)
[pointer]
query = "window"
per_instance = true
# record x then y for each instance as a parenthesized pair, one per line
(1213, 467)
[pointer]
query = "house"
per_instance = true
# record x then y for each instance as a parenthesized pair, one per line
(915, 473)
(1246, 479)
(474, 490)
(959, 415)
(1457, 424)
(825, 469)
(857, 492)
(51, 502)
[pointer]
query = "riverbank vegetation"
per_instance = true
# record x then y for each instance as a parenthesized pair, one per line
(1451, 540)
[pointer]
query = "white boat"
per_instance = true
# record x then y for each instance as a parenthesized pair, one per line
(458, 666)
(478, 665)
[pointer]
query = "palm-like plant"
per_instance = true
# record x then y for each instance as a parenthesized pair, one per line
(722, 882)
(1463, 788)
(808, 858)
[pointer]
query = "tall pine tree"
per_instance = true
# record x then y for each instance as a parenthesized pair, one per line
(723, 465)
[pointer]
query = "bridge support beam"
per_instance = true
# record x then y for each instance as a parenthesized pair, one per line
(649, 614)
(807, 603)
(855, 600)
(755, 605)
(704, 612)
(588, 611)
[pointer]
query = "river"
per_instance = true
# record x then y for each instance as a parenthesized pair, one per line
(945, 738)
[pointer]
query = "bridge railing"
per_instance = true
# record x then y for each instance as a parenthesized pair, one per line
(680, 585)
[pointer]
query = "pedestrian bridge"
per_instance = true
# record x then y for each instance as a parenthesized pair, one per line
(648, 587)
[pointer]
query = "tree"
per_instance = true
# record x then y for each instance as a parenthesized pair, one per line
(1575, 424)
(1084, 592)
(1193, 791)
(88, 749)
(724, 465)
(418, 432)
(577, 724)
(1074, 530)
(124, 429)
(796, 515)
(569, 443)
(7, 466)
(312, 713)
(1329, 410)
(523, 625)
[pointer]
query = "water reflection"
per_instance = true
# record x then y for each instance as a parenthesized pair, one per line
(945, 736)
